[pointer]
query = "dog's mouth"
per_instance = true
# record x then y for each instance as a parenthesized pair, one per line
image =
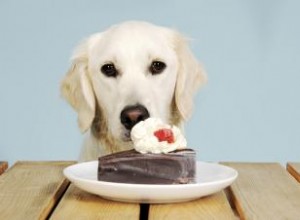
(130, 116)
(126, 136)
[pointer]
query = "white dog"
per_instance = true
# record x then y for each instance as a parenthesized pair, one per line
(126, 74)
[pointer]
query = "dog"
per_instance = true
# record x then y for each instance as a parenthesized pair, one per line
(126, 74)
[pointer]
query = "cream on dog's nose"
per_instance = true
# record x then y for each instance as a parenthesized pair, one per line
(133, 114)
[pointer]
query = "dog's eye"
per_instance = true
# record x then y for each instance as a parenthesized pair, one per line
(109, 70)
(157, 67)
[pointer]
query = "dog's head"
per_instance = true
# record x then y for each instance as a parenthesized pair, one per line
(128, 73)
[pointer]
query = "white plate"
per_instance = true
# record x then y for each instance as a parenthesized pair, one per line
(211, 178)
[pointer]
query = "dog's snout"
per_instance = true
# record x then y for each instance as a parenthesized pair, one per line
(131, 115)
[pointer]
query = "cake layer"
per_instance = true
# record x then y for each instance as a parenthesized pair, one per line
(177, 167)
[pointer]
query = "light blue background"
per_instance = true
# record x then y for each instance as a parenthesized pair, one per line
(248, 111)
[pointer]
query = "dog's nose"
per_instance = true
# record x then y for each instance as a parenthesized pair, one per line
(133, 114)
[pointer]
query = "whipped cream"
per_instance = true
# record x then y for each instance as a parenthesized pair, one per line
(144, 140)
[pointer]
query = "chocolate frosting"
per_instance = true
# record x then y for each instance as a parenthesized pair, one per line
(177, 167)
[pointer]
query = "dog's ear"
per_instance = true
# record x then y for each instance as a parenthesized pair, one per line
(77, 89)
(190, 77)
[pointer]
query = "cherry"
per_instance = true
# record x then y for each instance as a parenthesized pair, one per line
(165, 134)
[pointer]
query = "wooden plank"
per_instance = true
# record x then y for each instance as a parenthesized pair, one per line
(30, 190)
(3, 166)
(265, 191)
(215, 206)
(294, 170)
(77, 204)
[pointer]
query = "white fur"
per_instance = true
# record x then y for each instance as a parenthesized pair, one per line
(131, 46)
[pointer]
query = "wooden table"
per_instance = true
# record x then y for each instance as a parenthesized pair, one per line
(38, 190)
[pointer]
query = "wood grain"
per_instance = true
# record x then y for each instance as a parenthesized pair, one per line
(77, 204)
(215, 206)
(3, 166)
(30, 190)
(294, 170)
(265, 191)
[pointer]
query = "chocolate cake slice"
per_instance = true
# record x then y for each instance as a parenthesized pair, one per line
(177, 167)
